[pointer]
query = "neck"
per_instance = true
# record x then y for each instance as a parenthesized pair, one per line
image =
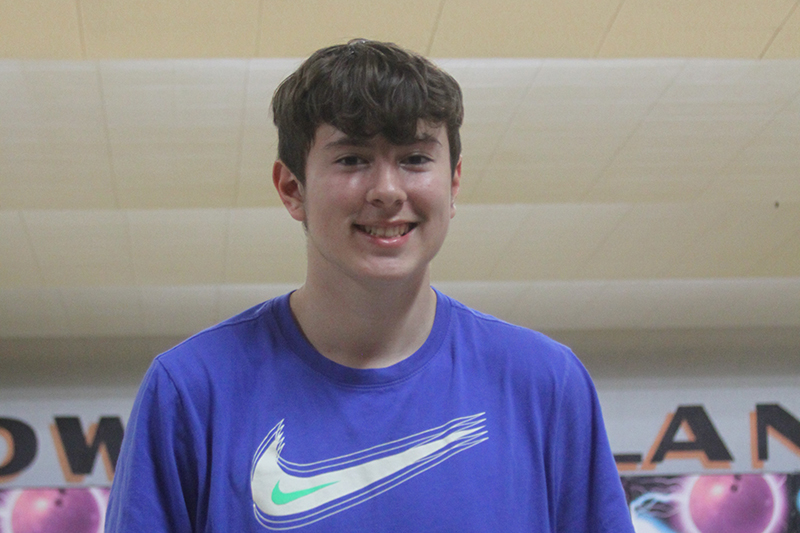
(365, 325)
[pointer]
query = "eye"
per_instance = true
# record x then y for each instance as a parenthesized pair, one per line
(351, 160)
(416, 160)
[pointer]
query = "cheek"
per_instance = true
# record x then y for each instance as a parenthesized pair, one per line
(433, 190)
(437, 200)
(329, 212)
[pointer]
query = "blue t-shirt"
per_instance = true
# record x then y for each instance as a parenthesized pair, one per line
(488, 427)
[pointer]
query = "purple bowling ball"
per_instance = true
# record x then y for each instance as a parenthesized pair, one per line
(55, 511)
(731, 504)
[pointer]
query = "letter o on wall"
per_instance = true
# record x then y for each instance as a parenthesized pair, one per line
(21, 447)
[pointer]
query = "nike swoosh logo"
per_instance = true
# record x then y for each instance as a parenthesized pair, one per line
(282, 498)
(287, 495)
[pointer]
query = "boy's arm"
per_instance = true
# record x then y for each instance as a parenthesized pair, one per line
(151, 484)
(589, 494)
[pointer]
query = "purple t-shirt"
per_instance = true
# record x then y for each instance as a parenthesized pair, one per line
(488, 427)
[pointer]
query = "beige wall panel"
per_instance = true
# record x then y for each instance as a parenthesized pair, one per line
(695, 222)
(156, 175)
(756, 186)
(32, 313)
(629, 304)
(690, 153)
(522, 28)
(488, 113)
(178, 310)
(103, 311)
(649, 238)
(784, 261)
(546, 305)
(737, 239)
(169, 28)
(255, 189)
(18, 265)
(730, 89)
(264, 246)
(568, 146)
(639, 41)
(471, 178)
(190, 183)
(233, 299)
(292, 28)
(258, 152)
(555, 240)
(721, 14)
(647, 304)
(649, 185)
(472, 174)
(259, 144)
(39, 29)
(787, 43)
(687, 28)
(57, 184)
(178, 247)
(81, 248)
(178, 197)
(534, 184)
(772, 152)
(477, 238)
(53, 147)
(496, 299)
(689, 304)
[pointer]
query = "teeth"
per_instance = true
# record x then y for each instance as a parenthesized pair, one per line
(390, 232)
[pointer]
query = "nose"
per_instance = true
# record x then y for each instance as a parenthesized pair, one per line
(386, 187)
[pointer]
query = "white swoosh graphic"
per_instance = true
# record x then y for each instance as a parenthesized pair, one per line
(349, 480)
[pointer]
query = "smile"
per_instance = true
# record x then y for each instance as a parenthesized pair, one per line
(386, 232)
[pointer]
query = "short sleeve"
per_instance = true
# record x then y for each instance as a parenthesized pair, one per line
(152, 487)
(589, 494)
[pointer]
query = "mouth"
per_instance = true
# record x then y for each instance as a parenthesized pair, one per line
(384, 232)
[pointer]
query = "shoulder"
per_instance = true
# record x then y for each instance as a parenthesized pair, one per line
(217, 341)
(499, 338)
(219, 354)
(505, 353)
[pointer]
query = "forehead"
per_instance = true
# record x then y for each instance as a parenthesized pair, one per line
(328, 137)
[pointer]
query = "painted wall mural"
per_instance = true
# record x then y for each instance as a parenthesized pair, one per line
(731, 503)
(734, 503)
(53, 510)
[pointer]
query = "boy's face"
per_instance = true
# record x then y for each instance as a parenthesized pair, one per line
(373, 210)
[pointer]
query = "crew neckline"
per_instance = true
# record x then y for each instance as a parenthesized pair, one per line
(360, 377)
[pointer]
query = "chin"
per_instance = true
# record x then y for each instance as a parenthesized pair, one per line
(393, 273)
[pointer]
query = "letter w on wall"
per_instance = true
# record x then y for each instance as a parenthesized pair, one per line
(77, 452)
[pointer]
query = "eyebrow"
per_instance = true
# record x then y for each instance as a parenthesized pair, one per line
(347, 140)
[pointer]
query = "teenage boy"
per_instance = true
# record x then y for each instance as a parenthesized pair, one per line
(365, 400)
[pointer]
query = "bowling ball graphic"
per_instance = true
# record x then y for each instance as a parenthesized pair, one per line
(56, 511)
(731, 504)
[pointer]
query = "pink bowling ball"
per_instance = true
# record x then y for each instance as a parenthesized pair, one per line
(55, 511)
(731, 504)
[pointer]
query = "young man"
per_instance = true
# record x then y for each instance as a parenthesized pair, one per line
(365, 400)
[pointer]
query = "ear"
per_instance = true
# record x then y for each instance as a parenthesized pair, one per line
(455, 186)
(289, 189)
